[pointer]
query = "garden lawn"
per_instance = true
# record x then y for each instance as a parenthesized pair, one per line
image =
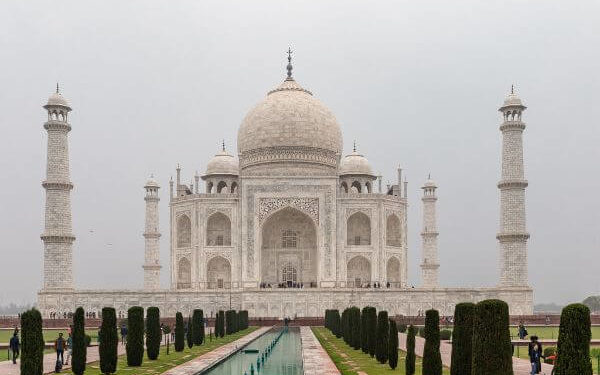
(49, 334)
(350, 361)
(547, 332)
(166, 362)
(595, 353)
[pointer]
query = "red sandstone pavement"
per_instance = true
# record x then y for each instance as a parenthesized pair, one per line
(315, 359)
(520, 366)
(7, 367)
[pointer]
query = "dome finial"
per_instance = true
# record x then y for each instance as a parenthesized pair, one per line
(223, 144)
(289, 65)
(57, 88)
(512, 89)
(354, 149)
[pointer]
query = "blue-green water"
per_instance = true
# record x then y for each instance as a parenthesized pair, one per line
(285, 357)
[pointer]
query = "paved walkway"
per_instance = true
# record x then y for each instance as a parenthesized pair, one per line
(7, 367)
(207, 360)
(520, 366)
(315, 359)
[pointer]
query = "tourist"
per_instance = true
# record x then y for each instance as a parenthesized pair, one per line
(522, 331)
(123, 334)
(14, 346)
(59, 346)
(535, 354)
(69, 348)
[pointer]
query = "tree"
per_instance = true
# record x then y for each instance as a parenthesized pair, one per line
(153, 332)
(198, 324)
(492, 349)
(244, 319)
(189, 335)
(135, 336)
(79, 342)
(221, 323)
(355, 324)
(337, 324)
(393, 345)
(574, 341)
(32, 343)
(364, 330)
(109, 340)
(383, 329)
(462, 339)
(410, 351)
(372, 331)
(593, 302)
(179, 333)
(432, 358)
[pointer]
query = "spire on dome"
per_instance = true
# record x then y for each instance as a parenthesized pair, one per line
(57, 88)
(289, 66)
(354, 149)
(512, 89)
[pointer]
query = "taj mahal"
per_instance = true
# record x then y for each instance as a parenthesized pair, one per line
(286, 227)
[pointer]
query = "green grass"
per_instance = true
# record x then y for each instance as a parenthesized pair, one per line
(350, 361)
(521, 352)
(49, 334)
(166, 362)
(548, 332)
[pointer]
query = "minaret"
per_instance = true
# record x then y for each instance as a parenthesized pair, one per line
(513, 234)
(152, 237)
(429, 235)
(58, 235)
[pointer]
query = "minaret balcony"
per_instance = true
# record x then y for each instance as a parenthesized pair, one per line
(512, 237)
(513, 183)
(57, 185)
(512, 125)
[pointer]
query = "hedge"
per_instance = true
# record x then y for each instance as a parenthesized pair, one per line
(393, 345)
(243, 319)
(109, 340)
(492, 349)
(402, 328)
(372, 331)
(153, 332)
(198, 326)
(573, 346)
(364, 330)
(356, 332)
(79, 342)
(410, 351)
(462, 339)
(179, 333)
(381, 352)
(189, 334)
(432, 359)
(135, 336)
(32, 343)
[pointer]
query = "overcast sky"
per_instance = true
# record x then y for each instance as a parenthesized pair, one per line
(153, 84)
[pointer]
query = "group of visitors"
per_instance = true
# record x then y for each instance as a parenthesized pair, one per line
(291, 284)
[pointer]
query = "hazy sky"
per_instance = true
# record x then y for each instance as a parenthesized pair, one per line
(153, 84)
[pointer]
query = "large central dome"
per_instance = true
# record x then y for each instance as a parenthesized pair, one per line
(289, 126)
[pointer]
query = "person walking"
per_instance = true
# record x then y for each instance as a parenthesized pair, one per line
(123, 334)
(14, 347)
(522, 331)
(69, 348)
(535, 355)
(59, 346)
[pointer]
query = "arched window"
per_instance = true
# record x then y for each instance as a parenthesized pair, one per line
(218, 230)
(393, 272)
(222, 187)
(358, 230)
(234, 187)
(368, 187)
(289, 239)
(289, 274)
(393, 232)
(184, 231)
(184, 274)
(209, 187)
(355, 188)
(218, 271)
(359, 272)
(344, 187)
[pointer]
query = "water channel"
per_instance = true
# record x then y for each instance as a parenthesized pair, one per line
(280, 347)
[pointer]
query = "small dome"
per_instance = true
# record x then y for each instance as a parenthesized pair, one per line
(355, 164)
(222, 163)
(512, 99)
(56, 99)
(429, 183)
(151, 182)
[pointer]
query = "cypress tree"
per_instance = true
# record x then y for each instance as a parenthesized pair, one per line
(221, 323)
(32, 343)
(462, 339)
(328, 319)
(372, 332)
(364, 330)
(153, 332)
(393, 345)
(337, 324)
(189, 335)
(135, 336)
(243, 319)
(356, 330)
(198, 323)
(345, 325)
(229, 320)
(492, 349)
(109, 340)
(410, 351)
(574, 337)
(79, 344)
(432, 359)
(383, 330)
(179, 333)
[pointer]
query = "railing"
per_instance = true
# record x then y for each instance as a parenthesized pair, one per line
(372, 284)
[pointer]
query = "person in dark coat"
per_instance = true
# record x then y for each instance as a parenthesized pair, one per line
(15, 346)
(535, 356)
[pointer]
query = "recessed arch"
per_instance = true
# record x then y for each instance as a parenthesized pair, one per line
(234, 187)
(358, 230)
(218, 230)
(344, 187)
(393, 272)
(218, 271)
(355, 187)
(209, 187)
(393, 231)
(184, 231)
(184, 274)
(358, 272)
(222, 187)
(369, 187)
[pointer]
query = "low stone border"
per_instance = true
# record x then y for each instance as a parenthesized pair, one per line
(211, 358)
(315, 360)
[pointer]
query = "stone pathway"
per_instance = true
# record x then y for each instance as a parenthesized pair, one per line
(7, 367)
(209, 359)
(315, 359)
(520, 366)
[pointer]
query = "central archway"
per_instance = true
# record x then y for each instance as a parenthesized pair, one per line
(289, 242)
